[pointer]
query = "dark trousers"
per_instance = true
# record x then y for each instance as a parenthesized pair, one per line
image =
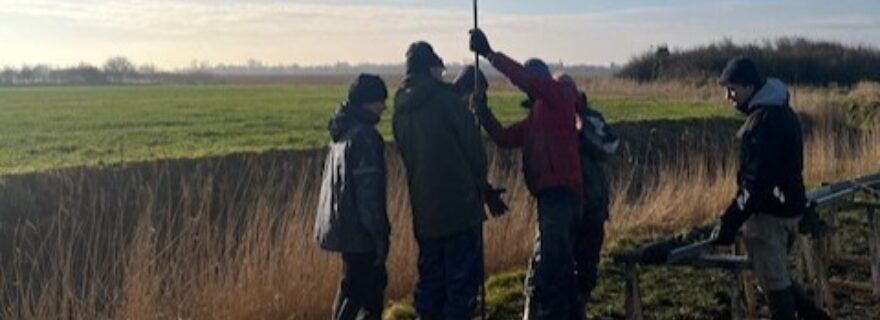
(362, 288)
(550, 284)
(450, 274)
(589, 237)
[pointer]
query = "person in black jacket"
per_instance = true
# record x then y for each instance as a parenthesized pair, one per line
(771, 199)
(446, 171)
(352, 218)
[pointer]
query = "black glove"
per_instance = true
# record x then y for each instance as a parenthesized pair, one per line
(731, 220)
(723, 235)
(497, 207)
(480, 44)
(381, 253)
(811, 224)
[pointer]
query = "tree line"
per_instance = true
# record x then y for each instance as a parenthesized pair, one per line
(121, 70)
(793, 59)
(115, 70)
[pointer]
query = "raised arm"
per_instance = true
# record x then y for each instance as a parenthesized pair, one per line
(509, 137)
(539, 87)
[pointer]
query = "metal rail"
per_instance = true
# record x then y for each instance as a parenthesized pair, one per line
(695, 248)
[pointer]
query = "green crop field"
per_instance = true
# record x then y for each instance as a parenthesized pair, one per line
(50, 127)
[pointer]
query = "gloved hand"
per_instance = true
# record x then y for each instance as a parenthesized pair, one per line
(811, 224)
(731, 220)
(480, 44)
(723, 235)
(497, 207)
(381, 253)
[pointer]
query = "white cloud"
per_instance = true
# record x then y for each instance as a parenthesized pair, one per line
(171, 33)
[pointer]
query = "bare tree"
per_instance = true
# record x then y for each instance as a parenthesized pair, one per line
(118, 69)
(7, 77)
(147, 69)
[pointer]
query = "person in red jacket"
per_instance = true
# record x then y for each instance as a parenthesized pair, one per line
(551, 164)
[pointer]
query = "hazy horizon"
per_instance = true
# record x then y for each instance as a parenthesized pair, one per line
(170, 34)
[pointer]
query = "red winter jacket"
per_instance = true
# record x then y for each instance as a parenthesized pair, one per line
(548, 135)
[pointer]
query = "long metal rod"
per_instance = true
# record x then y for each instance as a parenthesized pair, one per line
(473, 106)
(482, 240)
(476, 58)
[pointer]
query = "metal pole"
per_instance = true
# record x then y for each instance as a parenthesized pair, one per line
(476, 62)
(473, 106)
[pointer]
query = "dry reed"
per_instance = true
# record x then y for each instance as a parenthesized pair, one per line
(160, 243)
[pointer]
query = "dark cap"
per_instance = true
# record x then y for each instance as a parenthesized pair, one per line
(741, 71)
(538, 67)
(367, 88)
(420, 58)
(464, 83)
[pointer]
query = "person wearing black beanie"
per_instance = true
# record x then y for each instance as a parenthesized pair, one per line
(352, 218)
(446, 172)
(367, 89)
(770, 204)
(421, 59)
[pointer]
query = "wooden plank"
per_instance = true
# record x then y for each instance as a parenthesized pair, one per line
(848, 259)
(737, 299)
(874, 244)
(824, 293)
(738, 308)
(803, 271)
(836, 248)
(727, 262)
(851, 286)
(807, 255)
(689, 252)
(633, 294)
(750, 294)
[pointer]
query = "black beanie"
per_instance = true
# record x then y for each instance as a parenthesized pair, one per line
(367, 88)
(464, 83)
(420, 58)
(538, 67)
(741, 71)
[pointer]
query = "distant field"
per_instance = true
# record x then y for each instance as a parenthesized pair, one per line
(49, 127)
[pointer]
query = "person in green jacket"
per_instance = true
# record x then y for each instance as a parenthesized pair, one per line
(446, 171)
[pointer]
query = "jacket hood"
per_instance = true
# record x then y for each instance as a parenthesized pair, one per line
(773, 93)
(417, 89)
(348, 116)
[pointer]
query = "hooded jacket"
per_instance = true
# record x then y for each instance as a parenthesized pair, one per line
(769, 179)
(352, 205)
(597, 143)
(548, 135)
(444, 156)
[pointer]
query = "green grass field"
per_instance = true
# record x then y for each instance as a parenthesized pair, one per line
(50, 127)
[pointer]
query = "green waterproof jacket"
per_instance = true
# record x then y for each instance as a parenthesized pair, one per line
(442, 150)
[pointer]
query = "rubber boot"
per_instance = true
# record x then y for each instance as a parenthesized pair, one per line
(782, 305)
(806, 307)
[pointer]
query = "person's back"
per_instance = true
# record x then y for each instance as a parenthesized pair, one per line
(442, 167)
(445, 165)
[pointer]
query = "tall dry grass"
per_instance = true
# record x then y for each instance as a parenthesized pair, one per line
(232, 239)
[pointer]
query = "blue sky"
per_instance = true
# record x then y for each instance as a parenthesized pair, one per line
(171, 33)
